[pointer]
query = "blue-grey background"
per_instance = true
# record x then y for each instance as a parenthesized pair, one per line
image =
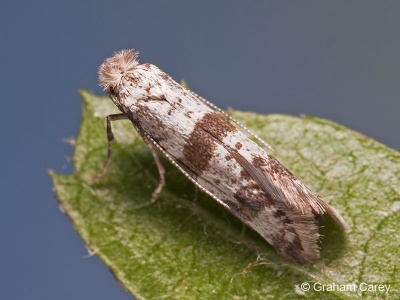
(336, 60)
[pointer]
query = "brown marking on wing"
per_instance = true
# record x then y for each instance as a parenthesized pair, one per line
(156, 126)
(216, 125)
(202, 142)
(199, 150)
(164, 76)
(302, 198)
(251, 198)
(276, 168)
(146, 66)
(188, 114)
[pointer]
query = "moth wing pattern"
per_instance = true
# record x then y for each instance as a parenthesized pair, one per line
(288, 223)
(298, 196)
(181, 167)
(217, 156)
(238, 124)
(278, 225)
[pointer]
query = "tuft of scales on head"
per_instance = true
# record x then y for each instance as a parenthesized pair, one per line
(114, 68)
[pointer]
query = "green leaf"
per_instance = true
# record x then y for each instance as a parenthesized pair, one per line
(185, 246)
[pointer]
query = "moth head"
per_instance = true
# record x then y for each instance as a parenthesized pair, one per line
(113, 69)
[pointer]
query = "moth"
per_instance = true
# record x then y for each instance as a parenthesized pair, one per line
(216, 153)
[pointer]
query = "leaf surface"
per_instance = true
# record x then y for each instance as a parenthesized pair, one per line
(186, 246)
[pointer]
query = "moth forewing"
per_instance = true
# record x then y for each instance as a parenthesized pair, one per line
(216, 155)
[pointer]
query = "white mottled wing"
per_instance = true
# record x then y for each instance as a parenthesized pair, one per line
(292, 192)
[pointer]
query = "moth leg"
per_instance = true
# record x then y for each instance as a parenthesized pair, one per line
(110, 137)
(161, 171)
